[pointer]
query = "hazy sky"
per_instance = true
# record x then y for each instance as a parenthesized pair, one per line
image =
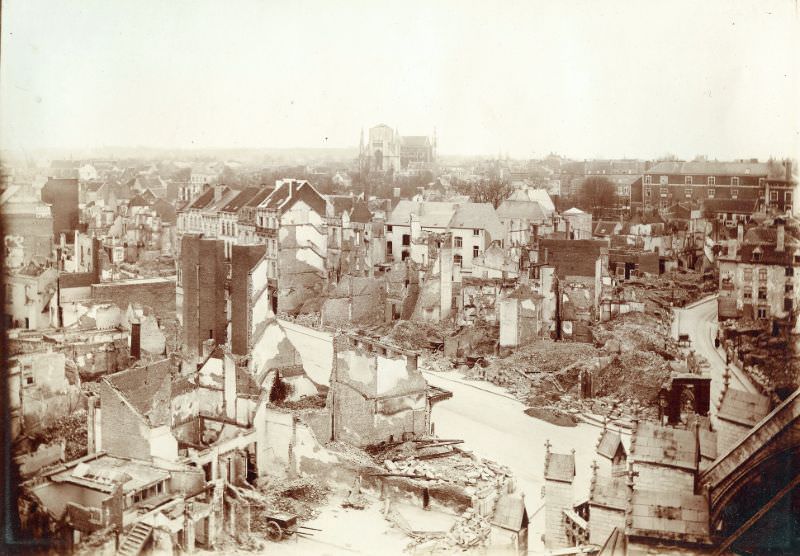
(582, 78)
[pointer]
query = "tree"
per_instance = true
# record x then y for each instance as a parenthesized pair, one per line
(597, 193)
(492, 191)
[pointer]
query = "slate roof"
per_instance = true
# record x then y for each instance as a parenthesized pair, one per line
(736, 206)
(609, 492)
(657, 444)
(744, 408)
(605, 228)
(262, 194)
(226, 197)
(138, 201)
(572, 212)
(535, 195)
(510, 512)
(341, 203)
(767, 255)
(241, 199)
(669, 515)
(711, 168)
(361, 213)
(147, 389)
(204, 199)
(530, 210)
(708, 444)
(609, 443)
(441, 214)
(559, 467)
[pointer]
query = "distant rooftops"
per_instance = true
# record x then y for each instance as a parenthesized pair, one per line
(711, 168)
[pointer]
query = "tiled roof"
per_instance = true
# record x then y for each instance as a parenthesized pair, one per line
(711, 168)
(609, 492)
(743, 407)
(766, 254)
(610, 442)
(657, 444)
(341, 203)
(559, 467)
(432, 214)
(669, 515)
(226, 197)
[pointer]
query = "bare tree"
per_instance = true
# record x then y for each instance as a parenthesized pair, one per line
(597, 193)
(493, 191)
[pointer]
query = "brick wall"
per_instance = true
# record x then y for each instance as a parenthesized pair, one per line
(203, 278)
(557, 498)
(158, 294)
(124, 433)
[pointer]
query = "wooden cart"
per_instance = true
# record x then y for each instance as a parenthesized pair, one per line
(281, 525)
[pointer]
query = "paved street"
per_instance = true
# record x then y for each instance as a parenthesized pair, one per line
(494, 426)
(700, 322)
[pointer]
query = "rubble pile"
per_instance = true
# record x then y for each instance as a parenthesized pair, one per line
(470, 530)
(303, 496)
(417, 335)
(633, 374)
(70, 429)
(459, 469)
(635, 331)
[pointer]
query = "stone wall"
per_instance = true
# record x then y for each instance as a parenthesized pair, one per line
(659, 477)
(557, 498)
(602, 521)
(124, 432)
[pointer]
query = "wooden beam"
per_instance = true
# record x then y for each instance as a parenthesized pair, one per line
(758, 515)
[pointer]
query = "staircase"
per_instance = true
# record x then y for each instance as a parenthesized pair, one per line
(135, 540)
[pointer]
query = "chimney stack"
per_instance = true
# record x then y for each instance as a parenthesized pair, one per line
(136, 341)
(740, 233)
(788, 166)
(780, 238)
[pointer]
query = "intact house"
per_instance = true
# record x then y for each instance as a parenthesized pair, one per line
(474, 226)
(759, 279)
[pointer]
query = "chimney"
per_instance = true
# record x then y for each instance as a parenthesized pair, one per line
(96, 268)
(136, 341)
(92, 446)
(208, 347)
(788, 166)
(780, 237)
(740, 233)
(545, 261)
(229, 384)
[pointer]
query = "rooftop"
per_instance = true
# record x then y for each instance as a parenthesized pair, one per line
(559, 467)
(609, 492)
(742, 407)
(609, 443)
(147, 389)
(669, 515)
(661, 445)
(711, 168)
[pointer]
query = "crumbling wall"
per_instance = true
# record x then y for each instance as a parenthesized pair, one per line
(273, 349)
(315, 348)
(125, 434)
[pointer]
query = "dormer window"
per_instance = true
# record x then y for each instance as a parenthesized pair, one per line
(756, 254)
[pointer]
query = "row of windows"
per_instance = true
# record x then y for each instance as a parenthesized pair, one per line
(688, 180)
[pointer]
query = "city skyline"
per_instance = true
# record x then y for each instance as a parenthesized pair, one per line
(623, 80)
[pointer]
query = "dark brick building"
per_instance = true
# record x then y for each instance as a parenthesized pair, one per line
(62, 196)
(203, 274)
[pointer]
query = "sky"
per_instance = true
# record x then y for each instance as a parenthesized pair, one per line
(524, 78)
